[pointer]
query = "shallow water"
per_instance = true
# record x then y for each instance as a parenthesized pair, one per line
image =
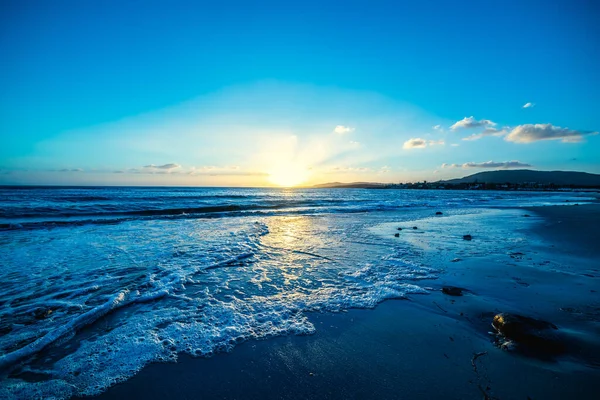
(98, 282)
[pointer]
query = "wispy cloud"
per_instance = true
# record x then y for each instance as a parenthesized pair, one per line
(530, 133)
(489, 164)
(229, 170)
(341, 129)
(418, 143)
(488, 132)
(71, 170)
(470, 122)
(347, 169)
(415, 143)
(164, 166)
(438, 128)
(436, 142)
(529, 105)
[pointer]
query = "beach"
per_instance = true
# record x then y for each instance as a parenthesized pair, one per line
(432, 345)
(292, 294)
(300, 200)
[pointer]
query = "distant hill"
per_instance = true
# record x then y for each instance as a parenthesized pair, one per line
(521, 176)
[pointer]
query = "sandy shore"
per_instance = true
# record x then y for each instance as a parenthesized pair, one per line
(425, 347)
(576, 226)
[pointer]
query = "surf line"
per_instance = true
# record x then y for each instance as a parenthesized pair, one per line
(118, 301)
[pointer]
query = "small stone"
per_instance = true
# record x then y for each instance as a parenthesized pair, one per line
(467, 237)
(439, 213)
(396, 235)
(42, 313)
(399, 229)
(527, 215)
(452, 291)
(414, 227)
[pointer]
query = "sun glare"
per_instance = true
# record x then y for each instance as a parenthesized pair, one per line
(288, 175)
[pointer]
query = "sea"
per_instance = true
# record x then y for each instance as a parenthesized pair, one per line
(98, 282)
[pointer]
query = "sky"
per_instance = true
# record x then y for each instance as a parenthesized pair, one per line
(287, 92)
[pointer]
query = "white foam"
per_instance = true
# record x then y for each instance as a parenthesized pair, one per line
(230, 281)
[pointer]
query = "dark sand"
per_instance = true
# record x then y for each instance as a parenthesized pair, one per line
(424, 347)
(576, 226)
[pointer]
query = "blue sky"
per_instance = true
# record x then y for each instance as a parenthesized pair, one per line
(263, 93)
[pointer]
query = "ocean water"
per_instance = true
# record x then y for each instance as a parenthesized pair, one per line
(95, 283)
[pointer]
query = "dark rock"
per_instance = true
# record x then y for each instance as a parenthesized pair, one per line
(467, 237)
(439, 213)
(527, 215)
(399, 229)
(42, 313)
(528, 335)
(396, 234)
(414, 227)
(452, 291)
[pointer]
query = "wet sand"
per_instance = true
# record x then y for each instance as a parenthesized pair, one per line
(576, 226)
(425, 347)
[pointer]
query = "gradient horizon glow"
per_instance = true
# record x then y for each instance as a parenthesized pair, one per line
(289, 93)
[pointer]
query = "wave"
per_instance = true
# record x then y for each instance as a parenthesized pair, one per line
(42, 212)
(118, 301)
(63, 219)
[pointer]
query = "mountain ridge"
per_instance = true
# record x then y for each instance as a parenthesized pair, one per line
(522, 176)
(518, 176)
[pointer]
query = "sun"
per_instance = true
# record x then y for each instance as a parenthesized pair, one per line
(288, 174)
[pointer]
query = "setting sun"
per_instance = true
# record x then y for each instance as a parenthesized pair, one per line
(288, 175)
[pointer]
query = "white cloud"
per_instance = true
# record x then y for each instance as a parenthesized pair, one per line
(338, 169)
(415, 143)
(455, 145)
(418, 143)
(341, 129)
(71, 170)
(436, 143)
(489, 164)
(230, 170)
(529, 133)
(471, 122)
(176, 169)
(169, 166)
(529, 105)
(488, 132)
(438, 128)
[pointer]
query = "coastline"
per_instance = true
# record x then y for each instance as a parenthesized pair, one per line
(424, 346)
